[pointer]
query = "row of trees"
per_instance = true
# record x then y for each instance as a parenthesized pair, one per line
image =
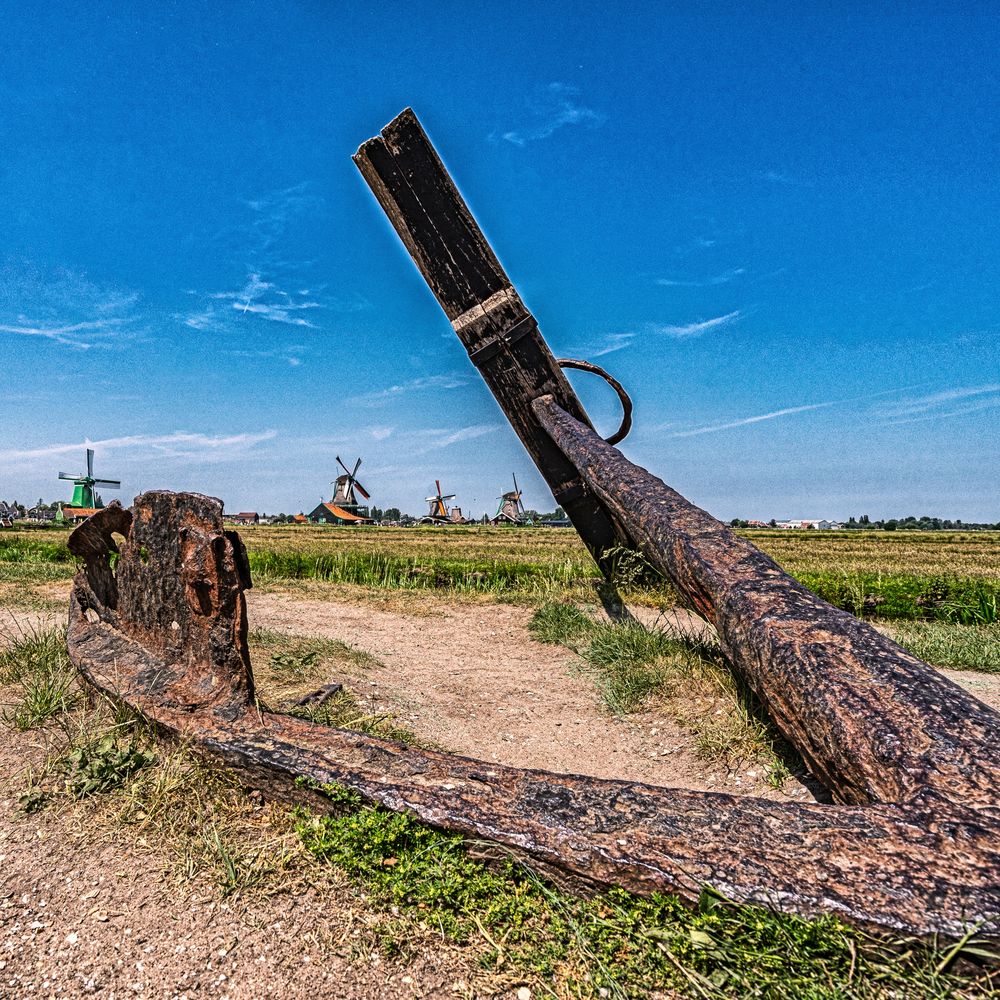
(864, 522)
(923, 523)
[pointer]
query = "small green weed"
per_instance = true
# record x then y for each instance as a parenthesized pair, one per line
(295, 665)
(103, 764)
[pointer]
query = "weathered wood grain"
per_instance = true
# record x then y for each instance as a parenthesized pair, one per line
(432, 219)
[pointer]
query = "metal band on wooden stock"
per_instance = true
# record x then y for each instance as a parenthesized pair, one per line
(910, 843)
(492, 348)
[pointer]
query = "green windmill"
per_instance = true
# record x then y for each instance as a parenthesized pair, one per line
(84, 494)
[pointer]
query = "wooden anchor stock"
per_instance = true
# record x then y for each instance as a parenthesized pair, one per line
(423, 204)
(911, 844)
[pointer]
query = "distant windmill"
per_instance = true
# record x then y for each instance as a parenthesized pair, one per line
(84, 494)
(511, 510)
(347, 486)
(440, 512)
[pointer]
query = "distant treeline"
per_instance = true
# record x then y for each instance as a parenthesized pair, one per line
(864, 522)
(920, 524)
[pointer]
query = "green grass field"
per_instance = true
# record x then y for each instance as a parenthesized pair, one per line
(936, 591)
(896, 576)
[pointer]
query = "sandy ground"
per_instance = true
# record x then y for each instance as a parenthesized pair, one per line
(472, 679)
(81, 915)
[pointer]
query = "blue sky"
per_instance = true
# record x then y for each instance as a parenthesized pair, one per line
(777, 228)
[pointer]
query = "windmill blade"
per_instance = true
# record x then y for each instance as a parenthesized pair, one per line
(90, 462)
(431, 499)
(437, 483)
(111, 484)
(357, 465)
(516, 490)
(72, 476)
(360, 489)
(448, 496)
(344, 467)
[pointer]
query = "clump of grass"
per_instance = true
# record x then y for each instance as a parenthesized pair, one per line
(689, 676)
(345, 711)
(297, 662)
(614, 944)
(434, 572)
(961, 647)
(22, 548)
(634, 662)
(35, 663)
(560, 624)
(305, 655)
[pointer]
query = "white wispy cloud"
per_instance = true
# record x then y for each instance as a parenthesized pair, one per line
(781, 177)
(274, 212)
(256, 297)
(941, 405)
(718, 279)
(921, 404)
(555, 108)
(744, 421)
(381, 433)
(178, 444)
(290, 354)
(66, 308)
(92, 333)
(698, 328)
(437, 439)
(607, 344)
(379, 396)
(275, 288)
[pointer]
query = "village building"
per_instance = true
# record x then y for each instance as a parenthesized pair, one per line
(74, 514)
(818, 523)
(246, 517)
(330, 513)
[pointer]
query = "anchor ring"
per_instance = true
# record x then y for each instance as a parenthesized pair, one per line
(586, 366)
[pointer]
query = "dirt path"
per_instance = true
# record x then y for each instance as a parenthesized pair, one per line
(471, 679)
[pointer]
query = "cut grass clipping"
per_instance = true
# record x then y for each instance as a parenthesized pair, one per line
(612, 945)
(417, 885)
(633, 665)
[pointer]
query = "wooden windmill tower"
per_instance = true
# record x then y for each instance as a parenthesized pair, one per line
(85, 496)
(440, 512)
(347, 488)
(344, 507)
(511, 509)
